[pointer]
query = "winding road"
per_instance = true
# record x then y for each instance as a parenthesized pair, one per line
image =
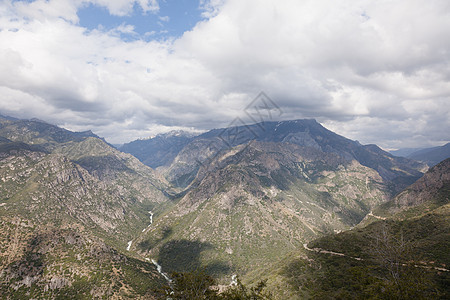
(319, 250)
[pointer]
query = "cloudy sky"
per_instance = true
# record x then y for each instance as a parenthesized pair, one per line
(377, 71)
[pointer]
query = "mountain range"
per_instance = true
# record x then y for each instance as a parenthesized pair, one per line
(431, 156)
(78, 214)
(159, 150)
(276, 185)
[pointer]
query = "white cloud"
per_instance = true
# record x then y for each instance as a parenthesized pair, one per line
(377, 71)
(67, 9)
(210, 7)
(43, 9)
(124, 29)
(164, 18)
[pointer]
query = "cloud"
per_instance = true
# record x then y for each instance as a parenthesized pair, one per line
(376, 71)
(42, 9)
(210, 7)
(67, 9)
(164, 19)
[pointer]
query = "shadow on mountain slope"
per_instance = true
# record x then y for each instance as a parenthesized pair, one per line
(185, 256)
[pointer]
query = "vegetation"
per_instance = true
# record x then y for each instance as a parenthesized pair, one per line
(74, 220)
(393, 266)
(198, 285)
(56, 263)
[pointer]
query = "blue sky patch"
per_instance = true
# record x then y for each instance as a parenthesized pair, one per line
(173, 19)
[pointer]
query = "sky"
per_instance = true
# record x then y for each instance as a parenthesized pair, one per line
(376, 71)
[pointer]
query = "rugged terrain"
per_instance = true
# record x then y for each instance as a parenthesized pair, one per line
(275, 185)
(68, 262)
(77, 213)
(400, 253)
(306, 133)
(67, 200)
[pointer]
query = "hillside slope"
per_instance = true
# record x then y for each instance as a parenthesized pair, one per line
(69, 205)
(67, 262)
(276, 186)
(306, 133)
(401, 253)
(42, 164)
(429, 192)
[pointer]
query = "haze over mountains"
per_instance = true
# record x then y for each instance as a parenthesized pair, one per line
(431, 156)
(159, 150)
(232, 201)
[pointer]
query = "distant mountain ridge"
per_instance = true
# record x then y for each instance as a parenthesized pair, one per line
(431, 156)
(229, 200)
(273, 184)
(306, 133)
(39, 132)
(404, 152)
(166, 150)
(159, 150)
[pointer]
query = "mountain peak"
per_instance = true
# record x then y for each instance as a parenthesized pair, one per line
(176, 133)
(39, 120)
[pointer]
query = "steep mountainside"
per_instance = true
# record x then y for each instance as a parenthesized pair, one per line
(401, 254)
(52, 179)
(64, 173)
(276, 185)
(307, 133)
(49, 188)
(256, 205)
(67, 262)
(427, 193)
(84, 149)
(230, 200)
(137, 181)
(425, 205)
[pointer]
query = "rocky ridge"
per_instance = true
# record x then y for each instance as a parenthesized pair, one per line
(69, 204)
(276, 185)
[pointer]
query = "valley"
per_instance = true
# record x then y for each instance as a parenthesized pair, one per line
(252, 201)
(224, 150)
